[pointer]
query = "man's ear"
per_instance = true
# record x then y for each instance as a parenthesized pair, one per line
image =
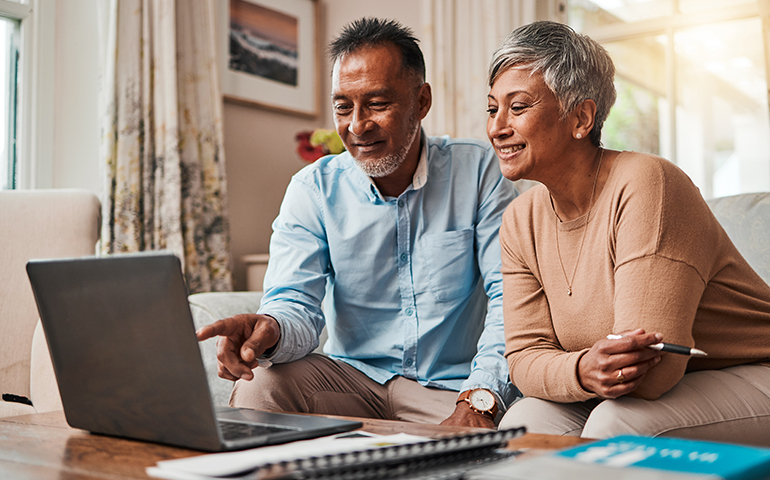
(584, 115)
(424, 99)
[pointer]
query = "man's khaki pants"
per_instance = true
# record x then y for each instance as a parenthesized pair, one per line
(319, 384)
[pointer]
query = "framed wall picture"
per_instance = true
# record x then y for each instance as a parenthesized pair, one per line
(269, 55)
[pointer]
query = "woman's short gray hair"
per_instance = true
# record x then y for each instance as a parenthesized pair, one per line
(574, 67)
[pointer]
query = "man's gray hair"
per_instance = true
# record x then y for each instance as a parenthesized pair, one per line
(574, 67)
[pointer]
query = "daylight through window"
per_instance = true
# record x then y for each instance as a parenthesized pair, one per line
(692, 85)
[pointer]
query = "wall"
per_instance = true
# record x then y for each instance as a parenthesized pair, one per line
(259, 144)
(76, 115)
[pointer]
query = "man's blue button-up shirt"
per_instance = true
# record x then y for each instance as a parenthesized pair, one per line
(410, 286)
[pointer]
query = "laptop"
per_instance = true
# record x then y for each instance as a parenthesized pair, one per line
(128, 364)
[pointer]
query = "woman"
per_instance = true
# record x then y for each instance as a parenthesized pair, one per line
(620, 244)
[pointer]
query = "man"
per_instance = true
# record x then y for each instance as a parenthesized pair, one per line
(399, 237)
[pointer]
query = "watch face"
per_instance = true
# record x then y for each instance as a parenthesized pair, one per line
(482, 400)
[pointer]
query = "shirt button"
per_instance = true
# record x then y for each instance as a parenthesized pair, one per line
(401, 203)
(409, 312)
(404, 257)
(408, 362)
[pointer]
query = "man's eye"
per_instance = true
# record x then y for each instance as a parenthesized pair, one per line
(377, 105)
(341, 108)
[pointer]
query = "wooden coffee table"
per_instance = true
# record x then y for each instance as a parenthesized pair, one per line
(43, 446)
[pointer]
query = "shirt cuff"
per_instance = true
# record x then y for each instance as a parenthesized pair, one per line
(479, 379)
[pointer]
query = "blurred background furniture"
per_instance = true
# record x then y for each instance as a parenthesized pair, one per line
(256, 265)
(36, 224)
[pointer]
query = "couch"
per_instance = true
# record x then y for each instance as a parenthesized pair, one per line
(65, 223)
(746, 218)
(36, 224)
(59, 223)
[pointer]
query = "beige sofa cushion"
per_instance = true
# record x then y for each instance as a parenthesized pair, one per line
(207, 308)
(746, 219)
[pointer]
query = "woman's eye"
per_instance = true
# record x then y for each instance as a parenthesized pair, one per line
(518, 108)
(492, 111)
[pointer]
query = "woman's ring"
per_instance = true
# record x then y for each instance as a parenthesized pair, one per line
(620, 378)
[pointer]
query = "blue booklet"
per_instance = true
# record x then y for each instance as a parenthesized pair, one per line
(632, 457)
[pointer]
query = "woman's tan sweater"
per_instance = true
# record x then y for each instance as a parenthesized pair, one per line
(654, 257)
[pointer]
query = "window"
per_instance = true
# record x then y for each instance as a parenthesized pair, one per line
(26, 66)
(692, 85)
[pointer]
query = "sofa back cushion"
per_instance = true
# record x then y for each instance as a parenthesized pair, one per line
(746, 219)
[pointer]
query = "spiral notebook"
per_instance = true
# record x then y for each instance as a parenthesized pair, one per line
(347, 457)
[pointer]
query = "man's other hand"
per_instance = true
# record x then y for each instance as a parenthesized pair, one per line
(242, 340)
(464, 416)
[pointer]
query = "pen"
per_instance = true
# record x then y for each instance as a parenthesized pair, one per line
(669, 347)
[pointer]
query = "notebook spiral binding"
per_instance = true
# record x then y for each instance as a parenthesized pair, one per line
(397, 461)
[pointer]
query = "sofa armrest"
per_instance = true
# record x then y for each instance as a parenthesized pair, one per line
(207, 308)
(43, 389)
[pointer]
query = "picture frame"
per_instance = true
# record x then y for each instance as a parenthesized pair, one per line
(269, 54)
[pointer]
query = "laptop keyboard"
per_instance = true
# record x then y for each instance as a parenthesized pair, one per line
(236, 430)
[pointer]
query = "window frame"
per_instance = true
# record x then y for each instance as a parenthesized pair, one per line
(34, 91)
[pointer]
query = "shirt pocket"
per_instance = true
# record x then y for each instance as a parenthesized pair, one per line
(449, 261)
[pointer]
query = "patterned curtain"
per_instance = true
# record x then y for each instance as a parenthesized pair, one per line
(162, 141)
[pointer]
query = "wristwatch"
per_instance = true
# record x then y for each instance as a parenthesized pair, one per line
(480, 400)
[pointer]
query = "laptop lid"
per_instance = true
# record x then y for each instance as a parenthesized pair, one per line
(126, 358)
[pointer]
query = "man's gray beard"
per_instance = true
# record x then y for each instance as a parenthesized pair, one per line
(388, 164)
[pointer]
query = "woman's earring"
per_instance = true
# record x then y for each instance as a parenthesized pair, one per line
(579, 135)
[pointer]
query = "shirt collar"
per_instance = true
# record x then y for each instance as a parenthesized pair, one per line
(420, 177)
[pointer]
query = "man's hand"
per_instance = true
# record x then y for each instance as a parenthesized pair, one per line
(464, 416)
(243, 338)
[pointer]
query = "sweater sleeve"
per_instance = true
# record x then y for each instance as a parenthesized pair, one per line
(664, 240)
(658, 294)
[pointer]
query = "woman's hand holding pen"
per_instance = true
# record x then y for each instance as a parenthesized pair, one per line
(616, 367)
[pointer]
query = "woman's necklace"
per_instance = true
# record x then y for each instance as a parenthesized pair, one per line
(585, 229)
